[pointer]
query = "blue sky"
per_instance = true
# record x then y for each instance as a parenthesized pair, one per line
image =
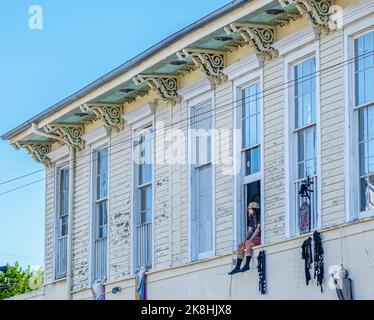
(81, 40)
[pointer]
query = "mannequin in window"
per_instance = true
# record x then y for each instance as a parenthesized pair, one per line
(252, 238)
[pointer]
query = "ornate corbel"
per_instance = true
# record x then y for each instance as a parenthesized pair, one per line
(71, 134)
(110, 114)
(259, 36)
(285, 19)
(318, 11)
(209, 61)
(165, 86)
(37, 150)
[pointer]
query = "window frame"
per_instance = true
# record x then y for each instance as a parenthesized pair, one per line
(353, 211)
(141, 125)
(240, 179)
(291, 161)
(192, 103)
(57, 172)
(95, 147)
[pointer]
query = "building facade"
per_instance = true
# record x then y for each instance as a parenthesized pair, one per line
(153, 164)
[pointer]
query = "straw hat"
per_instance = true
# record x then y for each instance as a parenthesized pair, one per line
(253, 205)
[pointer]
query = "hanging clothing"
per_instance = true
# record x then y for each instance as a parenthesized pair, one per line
(344, 291)
(261, 263)
(140, 292)
(306, 254)
(343, 285)
(98, 290)
(318, 259)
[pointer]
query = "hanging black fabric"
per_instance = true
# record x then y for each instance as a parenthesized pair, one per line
(318, 259)
(306, 254)
(261, 264)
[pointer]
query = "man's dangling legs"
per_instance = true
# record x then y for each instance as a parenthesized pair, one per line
(239, 259)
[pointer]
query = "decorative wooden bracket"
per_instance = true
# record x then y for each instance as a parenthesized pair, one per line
(319, 13)
(71, 134)
(285, 19)
(259, 36)
(166, 86)
(110, 114)
(38, 151)
(209, 61)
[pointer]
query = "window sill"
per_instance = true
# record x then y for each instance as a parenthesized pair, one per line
(56, 281)
(364, 215)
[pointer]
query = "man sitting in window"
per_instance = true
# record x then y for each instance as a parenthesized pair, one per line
(252, 238)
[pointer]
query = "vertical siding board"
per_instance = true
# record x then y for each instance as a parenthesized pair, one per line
(332, 129)
(224, 205)
(274, 148)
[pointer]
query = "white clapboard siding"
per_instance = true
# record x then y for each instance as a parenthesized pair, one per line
(49, 225)
(161, 189)
(179, 192)
(120, 259)
(332, 130)
(274, 144)
(224, 206)
(81, 221)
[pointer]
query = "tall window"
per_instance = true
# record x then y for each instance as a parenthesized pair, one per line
(304, 166)
(143, 197)
(250, 115)
(201, 178)
(62, 223)
(100, 214)
(364, 106)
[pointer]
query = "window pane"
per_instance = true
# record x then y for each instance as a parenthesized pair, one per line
(310, 168)
(370, 193)
(102, 174)
(203, 126)
(204, 207)
(102, 218)
(255, 164)
(305, 87)
(253, 100)
(64, 192)
(250, 116)
(64, 226)
(364, 75)
(363, 169)
(245, 133)
(370, 121)
(300, 146)
(301, 171)
(370, 156)
(310, 143)
(369, 84)
(362, 125)
(245, 102)
(252, 161)
(146, 198)
(363, 194)
(145, 173)
(306, 153)
(253, 130)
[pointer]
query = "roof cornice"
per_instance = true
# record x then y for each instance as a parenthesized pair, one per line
(127, 66)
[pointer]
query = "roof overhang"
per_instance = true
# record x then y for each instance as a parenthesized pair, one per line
(202, 44)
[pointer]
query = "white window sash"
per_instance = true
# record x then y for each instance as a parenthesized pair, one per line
(291, 60)
(142, 232)
(195, 169)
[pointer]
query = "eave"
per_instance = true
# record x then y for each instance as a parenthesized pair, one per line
(244, 21)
